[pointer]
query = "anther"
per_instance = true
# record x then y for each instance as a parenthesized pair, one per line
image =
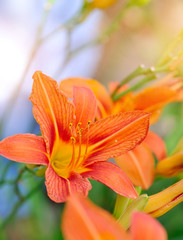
(73, 139)
(88, 123)
(79, 124)
(73, 153)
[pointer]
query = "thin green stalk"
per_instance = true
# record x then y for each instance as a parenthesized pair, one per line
(16, 180)
(138, 72)
(17, 190)
(131, 76)
(113, 27)
(2, 182)
(70, 24)
(5, 171)
(105, 35)
(136, 86)
(19, 204)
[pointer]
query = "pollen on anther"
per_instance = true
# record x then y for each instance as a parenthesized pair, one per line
(73, 139)
(89, 122)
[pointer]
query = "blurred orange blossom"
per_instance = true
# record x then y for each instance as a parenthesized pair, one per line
(84, 220)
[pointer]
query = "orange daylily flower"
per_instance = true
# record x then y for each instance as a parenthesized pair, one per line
(84, 220)
(72, 146)
(138, 164)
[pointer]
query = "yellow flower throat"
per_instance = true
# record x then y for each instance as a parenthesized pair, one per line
(68, 157)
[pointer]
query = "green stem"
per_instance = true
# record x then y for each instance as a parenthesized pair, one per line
(113, 27)
(17, 190)
(138, 72)
(136, 86)
(5, 171)
(104, 36)
(120, 205)
(6, 182)
(19, 204)
(15, 181)
(131, 76)
(70, 24)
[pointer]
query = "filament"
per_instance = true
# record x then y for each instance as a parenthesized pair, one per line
(87, 141)
(71, 164)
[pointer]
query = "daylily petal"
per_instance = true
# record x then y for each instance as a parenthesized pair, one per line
(153, 98)
(26, 148)
(145, 227)
(113, 85)
(138, 164)
(97, 88)
(125, 103)
(162, 202)
(115, 135)
(83, 220)
(113, 177)
(85, 105)
(156, 144)
(171, 166)
(58, 188)
(51, 109)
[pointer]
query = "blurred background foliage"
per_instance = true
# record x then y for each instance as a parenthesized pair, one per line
(101, 43)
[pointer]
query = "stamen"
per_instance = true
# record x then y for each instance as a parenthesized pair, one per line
(73, 139)
(88, 124)
(78, 125)
(70, 127)
(79, 153)
(80, 135)
(71, 164)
